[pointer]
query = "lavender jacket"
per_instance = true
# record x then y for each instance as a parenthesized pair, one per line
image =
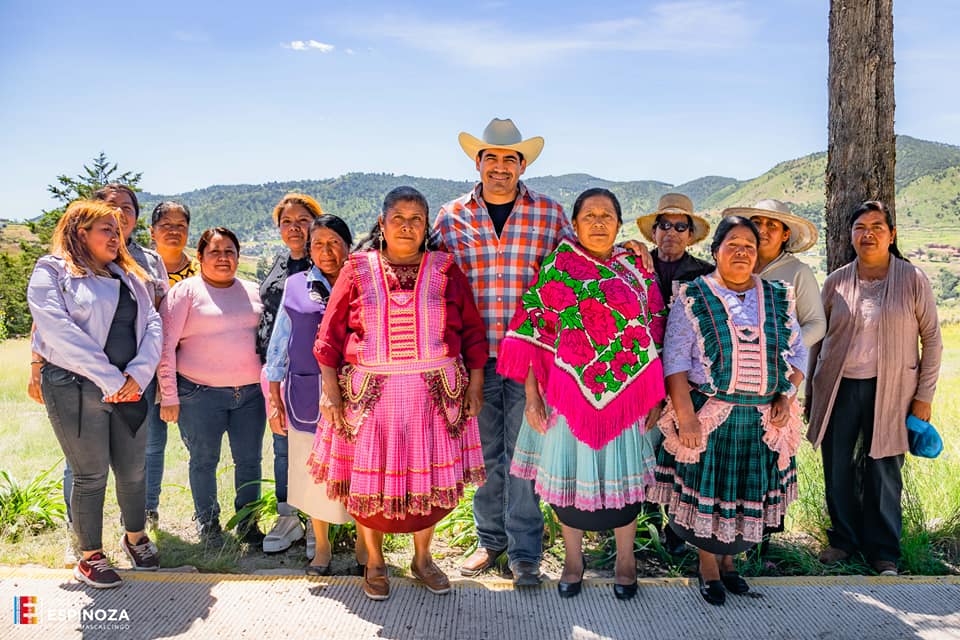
(903, 372)
(73, 316)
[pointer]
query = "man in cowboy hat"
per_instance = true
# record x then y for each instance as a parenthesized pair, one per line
(673, 227)
(499, 233)
(782, 234)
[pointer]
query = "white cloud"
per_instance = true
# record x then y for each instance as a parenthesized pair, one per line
(683, 25)
(306, 45)
(349, 52)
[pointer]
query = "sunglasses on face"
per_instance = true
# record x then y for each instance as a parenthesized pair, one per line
(666, 225)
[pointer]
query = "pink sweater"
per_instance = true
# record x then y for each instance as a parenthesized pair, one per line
(209, 336)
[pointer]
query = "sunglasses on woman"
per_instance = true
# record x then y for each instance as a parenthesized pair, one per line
(666, 225)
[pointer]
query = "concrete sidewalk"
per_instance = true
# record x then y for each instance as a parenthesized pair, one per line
(164, 605)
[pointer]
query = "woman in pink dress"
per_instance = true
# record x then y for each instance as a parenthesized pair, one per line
(401, 351)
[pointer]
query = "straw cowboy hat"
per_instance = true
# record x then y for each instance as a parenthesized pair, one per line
(803, 233)
(502, 134)
(677, 204)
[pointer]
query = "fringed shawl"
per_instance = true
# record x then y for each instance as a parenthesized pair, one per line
(591, 331)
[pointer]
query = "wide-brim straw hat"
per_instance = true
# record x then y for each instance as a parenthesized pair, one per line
(676, 204)
(803, 233)
(502, 134)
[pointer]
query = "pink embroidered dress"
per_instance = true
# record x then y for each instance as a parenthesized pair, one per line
(591, 331)
(400, 335)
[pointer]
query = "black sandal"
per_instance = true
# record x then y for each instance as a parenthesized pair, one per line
(712, 591)
(734, 583)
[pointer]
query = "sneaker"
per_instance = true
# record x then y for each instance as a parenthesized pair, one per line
(143, 555)
(285, 532)
(96, 572)
(153, 518)
(885, 567)
(210, 533)
(311, 542)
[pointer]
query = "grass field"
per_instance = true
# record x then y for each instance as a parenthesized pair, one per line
(931, 542)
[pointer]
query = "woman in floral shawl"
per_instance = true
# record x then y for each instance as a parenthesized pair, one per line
(585, 342)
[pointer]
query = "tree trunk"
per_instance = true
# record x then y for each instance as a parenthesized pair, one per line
(861, 153)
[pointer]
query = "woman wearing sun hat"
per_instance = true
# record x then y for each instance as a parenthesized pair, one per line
(783, 234)
(674, 227)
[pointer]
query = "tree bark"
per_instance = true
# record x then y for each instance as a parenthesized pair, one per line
(861, 154)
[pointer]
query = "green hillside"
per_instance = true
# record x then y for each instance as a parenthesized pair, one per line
(928, 194)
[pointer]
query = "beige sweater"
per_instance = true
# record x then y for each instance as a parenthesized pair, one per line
(788, 268)
(903, 373)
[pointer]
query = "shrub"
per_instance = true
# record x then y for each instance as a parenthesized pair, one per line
(31, 508)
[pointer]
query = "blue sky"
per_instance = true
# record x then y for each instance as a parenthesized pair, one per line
(194, 95)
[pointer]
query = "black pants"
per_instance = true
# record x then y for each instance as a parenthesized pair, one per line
(94, 439)
(863, 493)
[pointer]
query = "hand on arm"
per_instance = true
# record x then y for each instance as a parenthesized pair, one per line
(640, 250)
(921, 409)
(780, 408)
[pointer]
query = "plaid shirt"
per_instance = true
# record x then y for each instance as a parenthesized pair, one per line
(500, 269)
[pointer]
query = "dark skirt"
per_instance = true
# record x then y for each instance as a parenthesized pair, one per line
(599, 520)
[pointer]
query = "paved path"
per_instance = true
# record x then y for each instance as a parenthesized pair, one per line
(164, 605)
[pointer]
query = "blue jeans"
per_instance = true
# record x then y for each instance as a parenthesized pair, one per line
(280, 463)
(156, 445)
(206, 413)
(506, 509)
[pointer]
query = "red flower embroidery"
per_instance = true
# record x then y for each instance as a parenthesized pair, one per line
(621, 361)
(598, 321)
(634, 335)
(621, 297)
(658, 327)
(577, 266)
(558, 296)
(591, 375)
(574, 347)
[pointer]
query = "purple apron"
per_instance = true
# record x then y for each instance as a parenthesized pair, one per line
(305, 308)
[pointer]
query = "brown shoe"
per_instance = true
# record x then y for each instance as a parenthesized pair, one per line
(884, 567)
(376, 588)
(433, 579)
(479, 561)
(832, 555)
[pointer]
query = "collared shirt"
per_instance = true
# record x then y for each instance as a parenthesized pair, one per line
(501, 268)
(277, 358)
(152, 263)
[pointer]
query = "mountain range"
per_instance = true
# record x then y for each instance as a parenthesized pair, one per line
(927, 183)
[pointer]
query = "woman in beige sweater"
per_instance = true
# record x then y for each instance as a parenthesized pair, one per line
(866, 376)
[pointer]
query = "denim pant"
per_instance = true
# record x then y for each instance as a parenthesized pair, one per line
(156, 445)
(506, 509)
(863, 493)
(94, 441)
(206, 413)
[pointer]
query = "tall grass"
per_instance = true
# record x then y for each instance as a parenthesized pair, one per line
(931, 534)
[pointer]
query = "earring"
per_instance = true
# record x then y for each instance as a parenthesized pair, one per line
(380, 239)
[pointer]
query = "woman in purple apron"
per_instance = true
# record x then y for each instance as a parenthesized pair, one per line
(294, 379)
